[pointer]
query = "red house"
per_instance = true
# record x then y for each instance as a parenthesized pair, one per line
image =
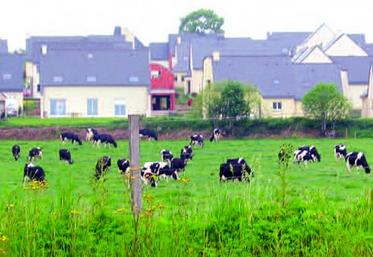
(163, 99)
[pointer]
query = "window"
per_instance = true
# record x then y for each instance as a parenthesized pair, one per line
(7, 76)
(175, 78)
(44, 49)
(92, 107)
(277, 106)
(119, 107)
(182, 78)
(57, 79)
(155, 74)
(133, 79)
(38, 88)
(58, 106)
(91, 79)
(208, 82)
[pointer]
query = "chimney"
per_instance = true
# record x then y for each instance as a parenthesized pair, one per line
(216, 56)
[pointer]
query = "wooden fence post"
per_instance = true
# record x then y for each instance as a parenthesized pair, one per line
(134, 145)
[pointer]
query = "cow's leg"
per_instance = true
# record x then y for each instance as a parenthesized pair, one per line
(348, 166)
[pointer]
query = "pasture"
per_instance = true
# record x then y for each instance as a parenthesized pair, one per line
(195, 216)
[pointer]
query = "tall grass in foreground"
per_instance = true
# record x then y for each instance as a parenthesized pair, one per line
(232, 225)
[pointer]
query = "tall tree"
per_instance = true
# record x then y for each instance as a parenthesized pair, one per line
(327, 104)
(202, 21)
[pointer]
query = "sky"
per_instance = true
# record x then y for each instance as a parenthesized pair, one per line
(152, 21)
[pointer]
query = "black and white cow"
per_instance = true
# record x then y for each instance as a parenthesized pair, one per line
(16, 150)
(179, 164)
(65, 155)
(229, 171)
(102, 166)
(154, 166)
(357, 159)
(90, 132)
(196, 139)
(168, 172)
(123, 165)
(243, 163)
(340, 151)
(166, 155)
(187, 152)
(33, 173)
(150, 134)
(70, 136)
(35, 153)
(148, 178)
(104, 139)
(306, 154)
(216, 134)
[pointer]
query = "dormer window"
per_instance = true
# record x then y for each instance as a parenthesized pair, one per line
(7, 76)
(276, 82)
(133, 79)
(57, 79)
(91, 79)
(44, 49)
(90, 56)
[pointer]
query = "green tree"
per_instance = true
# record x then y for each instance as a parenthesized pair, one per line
(327, 104)
(232, 103)
(201, 21)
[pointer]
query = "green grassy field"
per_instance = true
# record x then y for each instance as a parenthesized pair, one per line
(195, 216)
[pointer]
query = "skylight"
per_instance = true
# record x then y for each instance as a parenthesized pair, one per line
(91, 79)
(133, 79)
(7, 76)
(57, 79)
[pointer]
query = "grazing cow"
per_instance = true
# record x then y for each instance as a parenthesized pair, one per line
(340, 151)
(243, 163)
(304, 156)
(187, 152)
(166, 155)
(90, 132)
(34, 153)
(151, 134)
(154, 167)
(196, 139)
(70, 136)
(105, 139)
(216, 134)
(33, 173)
(148, 178)
(123, 165)
(167, 172)
(65, 155)
(229, 171)
(179, 164)
(102, 166)
(16, 150)
(313, 151)
(357, 159)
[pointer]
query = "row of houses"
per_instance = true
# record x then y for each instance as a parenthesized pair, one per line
(114, 75)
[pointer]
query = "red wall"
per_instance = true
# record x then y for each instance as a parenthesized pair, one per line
(165, 80)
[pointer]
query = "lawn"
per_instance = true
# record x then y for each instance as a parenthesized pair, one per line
(74, 207)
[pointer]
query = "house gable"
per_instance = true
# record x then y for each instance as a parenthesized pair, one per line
(316, 56)
(345, 46)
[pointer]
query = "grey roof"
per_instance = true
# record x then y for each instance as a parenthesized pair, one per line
(187, 37)
(239, 47)
(92, 68)
(369, 49)
(11, 72)
(158, 51)
(275, 76)
(358, 67)
(34, 44)
(183, 58)
(3, 46)
(358, 38)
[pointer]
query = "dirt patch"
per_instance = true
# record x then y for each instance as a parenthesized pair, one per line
(53, 133)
